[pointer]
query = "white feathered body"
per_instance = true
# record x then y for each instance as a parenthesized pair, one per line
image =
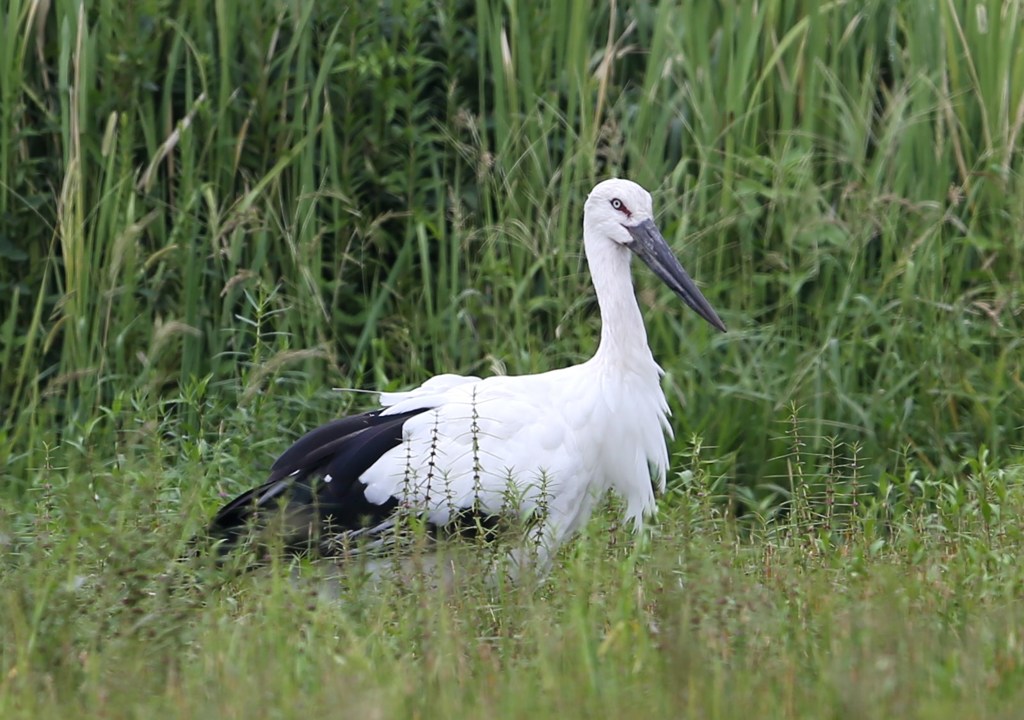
(549, 444)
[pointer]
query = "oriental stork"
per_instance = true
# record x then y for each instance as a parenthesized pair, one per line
(461, 453)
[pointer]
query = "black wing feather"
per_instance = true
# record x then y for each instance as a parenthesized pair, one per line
(298, 495)
(321, 442)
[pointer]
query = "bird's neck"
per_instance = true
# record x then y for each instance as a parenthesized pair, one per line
(623, 336)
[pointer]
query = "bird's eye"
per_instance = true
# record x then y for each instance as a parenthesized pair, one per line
(621, 207)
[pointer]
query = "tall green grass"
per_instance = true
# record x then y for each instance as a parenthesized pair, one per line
(256, 203)
(900, 603)
(212, 213)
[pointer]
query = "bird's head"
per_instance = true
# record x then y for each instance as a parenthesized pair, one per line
(614, 206)
(622, 212)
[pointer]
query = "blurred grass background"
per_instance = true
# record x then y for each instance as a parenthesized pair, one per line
(259, 202)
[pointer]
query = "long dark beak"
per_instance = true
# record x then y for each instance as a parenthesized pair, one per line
(650, 246)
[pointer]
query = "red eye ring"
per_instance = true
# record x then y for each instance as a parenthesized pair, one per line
(621, 207)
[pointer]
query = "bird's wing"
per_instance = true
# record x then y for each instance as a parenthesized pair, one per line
(314, 486)
(495, 446)
(454, 449)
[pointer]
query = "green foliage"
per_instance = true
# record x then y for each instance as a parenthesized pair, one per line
(833, 603)
(397, 187)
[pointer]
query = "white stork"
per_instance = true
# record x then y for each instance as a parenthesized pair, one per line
(460, 452)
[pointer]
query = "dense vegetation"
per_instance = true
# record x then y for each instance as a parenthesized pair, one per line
(280, 199)
(211, 214)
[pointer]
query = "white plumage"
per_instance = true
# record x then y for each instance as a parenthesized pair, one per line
(547, 445)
